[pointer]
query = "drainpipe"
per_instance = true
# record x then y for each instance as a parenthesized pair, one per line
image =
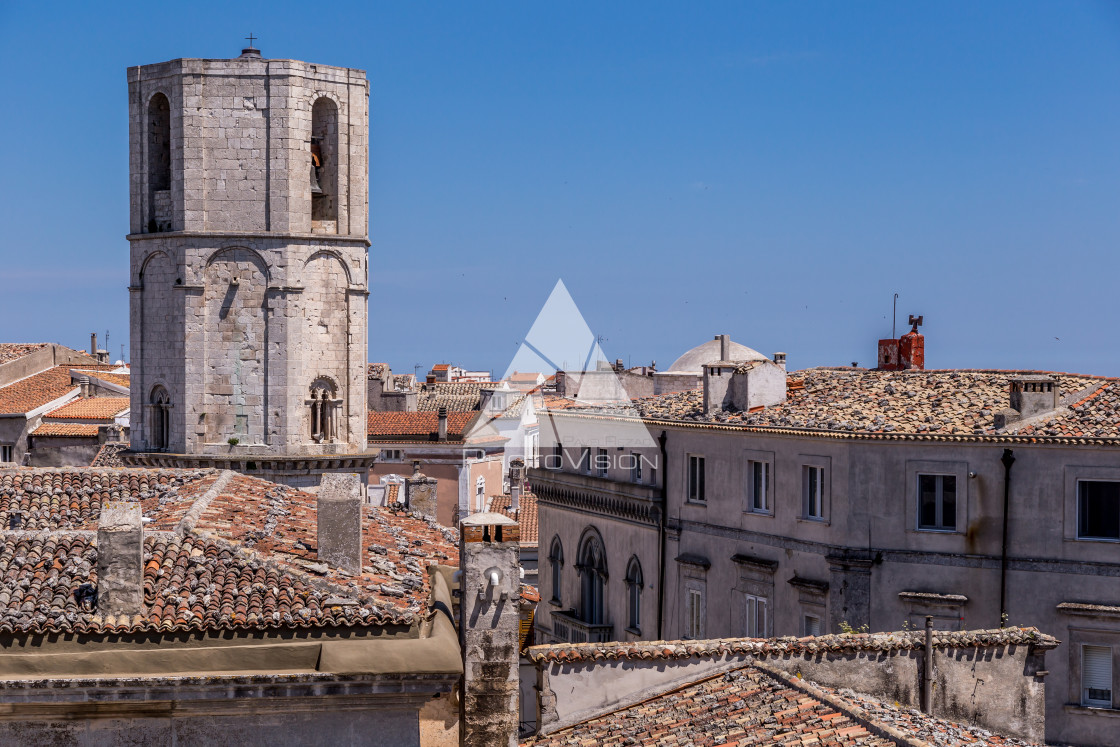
(661, 440)
(927, 670)
(1008, 459)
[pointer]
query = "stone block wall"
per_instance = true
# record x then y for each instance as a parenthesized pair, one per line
(240, 310)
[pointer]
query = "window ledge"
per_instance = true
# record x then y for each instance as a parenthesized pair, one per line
(811, 520)
(633, 631)
(1109, 540)
(757, 512)
(935, 530)
(1094, 710)
(696, 503)
(555, 602)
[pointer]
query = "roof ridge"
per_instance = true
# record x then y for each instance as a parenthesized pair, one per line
(200, 504)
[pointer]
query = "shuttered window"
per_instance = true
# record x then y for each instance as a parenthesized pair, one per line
(1096, 676)
(756, 616)
(694, 627)
(812, 625)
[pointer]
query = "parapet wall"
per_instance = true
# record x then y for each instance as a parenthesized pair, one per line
(986, 678)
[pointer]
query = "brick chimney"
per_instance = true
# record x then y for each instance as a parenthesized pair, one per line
(442, 424)
(120, 559)
(906, 353)
(338, 518)
(489, 621)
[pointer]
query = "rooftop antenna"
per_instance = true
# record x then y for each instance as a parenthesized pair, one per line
(416, 370)
(894, 315)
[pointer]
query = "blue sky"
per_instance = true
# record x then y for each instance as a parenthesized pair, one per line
(775, 171)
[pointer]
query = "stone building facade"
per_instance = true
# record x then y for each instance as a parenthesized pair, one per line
(249, 257)
(862, 498)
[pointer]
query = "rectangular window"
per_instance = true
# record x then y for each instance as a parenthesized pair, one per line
(696, 478)
(811, 625)
(602, 461)
(758, 474)
(5, 452)
(756, 616)
(937, 502)
(635, 467)
(557, 460)
(585, 460)
(694, 618)
(1096, 676)
(813, 481)
(1098, 510)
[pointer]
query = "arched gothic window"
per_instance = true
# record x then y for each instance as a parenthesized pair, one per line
(159, 420)
(159, 164)
(324, 162)
(592, 568)
(556, 561)
(634, 584)
(324, 411)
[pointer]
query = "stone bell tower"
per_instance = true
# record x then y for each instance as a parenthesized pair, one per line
(249, 258)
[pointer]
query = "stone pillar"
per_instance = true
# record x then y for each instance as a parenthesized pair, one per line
(339, 521)
(120, 559)
(490, 589)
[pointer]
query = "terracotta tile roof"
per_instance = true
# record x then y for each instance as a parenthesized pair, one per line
(91, 408)
(441, 367)
(456, 396)
(10, 351)
(221, 551)
(745, 706)
(957, 403)
(529, 376)
(526, 516)
(120, 379)
(66, 430)
(413, 426)
(720, 647)
(392, 493)
(109, 455)
(35, 391)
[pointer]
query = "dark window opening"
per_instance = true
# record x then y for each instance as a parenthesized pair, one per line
(1098, 509)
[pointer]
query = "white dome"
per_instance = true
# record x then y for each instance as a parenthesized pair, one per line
(693, 361)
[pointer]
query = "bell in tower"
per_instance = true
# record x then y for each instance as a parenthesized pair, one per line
(316, 164)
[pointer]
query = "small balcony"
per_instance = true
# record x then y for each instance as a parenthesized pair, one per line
(569, 628)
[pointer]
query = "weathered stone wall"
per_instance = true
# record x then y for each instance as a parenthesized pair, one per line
(242, 307)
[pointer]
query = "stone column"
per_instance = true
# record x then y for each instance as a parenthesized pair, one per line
(490, 589)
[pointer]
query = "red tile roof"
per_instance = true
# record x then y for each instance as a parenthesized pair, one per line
(109, 455)
(412, 426)
(746, 706)
(929, 405)
(46, 386)
(35, 391)
(66, 430)
(221, 551)
(10, 351)
(526, 516)
(120, 379)
(91, 408)
(441, 367)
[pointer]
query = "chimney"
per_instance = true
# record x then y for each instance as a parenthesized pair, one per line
(780, 360)
(83, 384)
(717, 380)
(489, 623)
(912, 347)
(93, 344)
(120, 559)
(420, 492)
(1033, 395)
(338, 518)
(516, 479)
(724, 347)
(443, 424)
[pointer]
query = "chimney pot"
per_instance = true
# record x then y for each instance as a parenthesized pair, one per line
(443, 424)
(83, 384)
(93, 344)
(338, 518)
(120, 559)
(780, 359)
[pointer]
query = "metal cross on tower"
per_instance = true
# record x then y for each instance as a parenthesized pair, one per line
(251, 38)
